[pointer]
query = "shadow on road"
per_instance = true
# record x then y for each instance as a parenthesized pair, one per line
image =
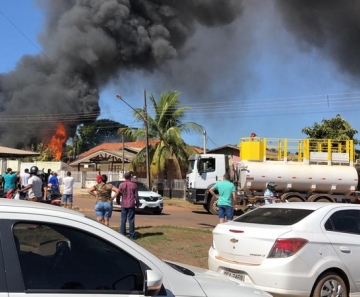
(201, 212)
(152, 214)
(207, 225)
(142, 235)
(236, 212)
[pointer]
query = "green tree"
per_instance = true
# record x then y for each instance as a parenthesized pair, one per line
(93, 134)
(335, 128)
(167, 127)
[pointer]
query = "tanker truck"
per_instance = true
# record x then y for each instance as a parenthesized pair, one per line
(303, 170)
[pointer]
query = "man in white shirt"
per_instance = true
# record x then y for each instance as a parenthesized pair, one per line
(68, 183)
(24, 178)
(34, 186)
(51, 174)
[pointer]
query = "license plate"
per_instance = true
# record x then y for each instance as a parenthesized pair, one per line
(238, 276)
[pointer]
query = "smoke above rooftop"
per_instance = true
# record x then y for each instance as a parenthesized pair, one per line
(84, 44)
(88, 43)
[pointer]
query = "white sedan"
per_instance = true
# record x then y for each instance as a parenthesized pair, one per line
(52, 251)
(292, 249)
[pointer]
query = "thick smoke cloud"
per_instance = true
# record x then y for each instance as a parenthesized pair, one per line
(85, 43)
(330, 25)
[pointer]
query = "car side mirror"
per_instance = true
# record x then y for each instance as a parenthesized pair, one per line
(153, 283)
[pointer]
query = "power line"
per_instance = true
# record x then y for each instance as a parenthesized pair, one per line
(34, 44)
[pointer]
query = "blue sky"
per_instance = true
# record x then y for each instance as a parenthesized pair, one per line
(261, 81)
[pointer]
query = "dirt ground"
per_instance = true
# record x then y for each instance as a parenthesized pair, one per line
(177, 212)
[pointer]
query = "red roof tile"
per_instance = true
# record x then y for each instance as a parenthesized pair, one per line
(114, 146)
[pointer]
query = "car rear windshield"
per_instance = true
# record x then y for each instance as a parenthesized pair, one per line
(274, 216)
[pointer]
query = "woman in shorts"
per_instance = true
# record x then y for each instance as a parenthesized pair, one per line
(104, 198)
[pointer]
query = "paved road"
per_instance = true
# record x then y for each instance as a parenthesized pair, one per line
(172, 215)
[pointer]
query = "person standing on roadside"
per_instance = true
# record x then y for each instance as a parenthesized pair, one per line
(44, 186)
(50, 175)
(54, 183)
(68, 183)
(24, 177)
(129, 200)
(34, 186)
(98, 178)
(226, 198)
(10, 179)
(103, 194)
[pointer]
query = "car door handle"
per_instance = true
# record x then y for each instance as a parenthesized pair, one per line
(345, 250)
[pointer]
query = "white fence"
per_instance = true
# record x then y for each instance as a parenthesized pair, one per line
(168, 188)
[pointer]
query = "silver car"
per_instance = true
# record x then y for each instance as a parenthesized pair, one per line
(52, 251)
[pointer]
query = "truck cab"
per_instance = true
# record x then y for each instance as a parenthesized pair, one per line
(203, 172)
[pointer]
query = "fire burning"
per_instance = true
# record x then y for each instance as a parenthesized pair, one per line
(57, 141)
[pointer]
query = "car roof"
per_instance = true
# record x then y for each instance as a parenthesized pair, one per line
(310, 205)
(23, 206)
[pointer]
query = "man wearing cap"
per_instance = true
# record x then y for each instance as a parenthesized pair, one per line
(10, 179)
(130, 199)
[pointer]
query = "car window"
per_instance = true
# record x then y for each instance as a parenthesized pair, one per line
(207, 165)
(191, 166)
(274, 216)
(345, 221)
(54, 257)
(115, 183)
(142, 187)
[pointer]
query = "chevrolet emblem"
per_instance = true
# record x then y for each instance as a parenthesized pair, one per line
(234, 240)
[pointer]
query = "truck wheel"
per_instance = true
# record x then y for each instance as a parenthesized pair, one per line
(206, 207)
(322, 200)
(213, 209)
(330, 284)
(294, 199)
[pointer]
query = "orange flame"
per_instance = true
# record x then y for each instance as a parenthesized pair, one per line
(57, 141)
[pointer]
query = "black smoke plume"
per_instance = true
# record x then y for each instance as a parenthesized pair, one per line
(84, 44)
(332, 26)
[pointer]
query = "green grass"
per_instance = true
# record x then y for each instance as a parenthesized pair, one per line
(180, 244)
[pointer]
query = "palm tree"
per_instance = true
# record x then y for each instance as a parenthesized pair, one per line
(166, 127)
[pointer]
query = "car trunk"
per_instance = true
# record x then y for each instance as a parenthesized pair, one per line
(246, 243)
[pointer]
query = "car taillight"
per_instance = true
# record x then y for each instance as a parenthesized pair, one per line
(286, 247)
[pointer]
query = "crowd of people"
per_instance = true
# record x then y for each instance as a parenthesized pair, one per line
(36, 185)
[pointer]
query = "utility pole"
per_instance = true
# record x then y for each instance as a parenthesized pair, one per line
(204, 133)
(123, 161)
(146, 123)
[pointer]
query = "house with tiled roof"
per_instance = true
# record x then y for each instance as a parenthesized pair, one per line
(117, 157)
(110, 156)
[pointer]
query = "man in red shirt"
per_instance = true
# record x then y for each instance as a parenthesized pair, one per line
(130, 199)
(98, 178)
